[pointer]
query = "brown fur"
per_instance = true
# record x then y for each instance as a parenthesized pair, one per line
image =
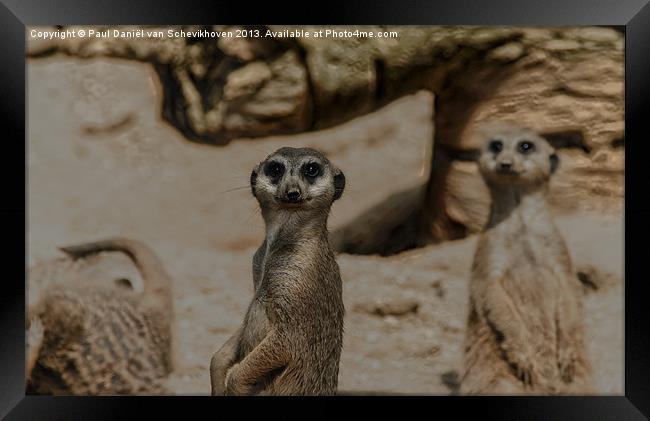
(291, 338)
(525, 328)
(90, 339)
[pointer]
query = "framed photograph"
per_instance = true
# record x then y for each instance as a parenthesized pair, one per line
(400, 203)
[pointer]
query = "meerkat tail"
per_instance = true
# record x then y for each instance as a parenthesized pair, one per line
(157, 283)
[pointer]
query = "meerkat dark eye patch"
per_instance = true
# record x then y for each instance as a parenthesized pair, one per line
(526, 146)
(495, 146)
(274, 170)
(312, 170)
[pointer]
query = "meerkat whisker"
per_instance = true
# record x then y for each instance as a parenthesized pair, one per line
(235, 189)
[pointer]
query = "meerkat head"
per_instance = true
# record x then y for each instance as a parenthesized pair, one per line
(296, 178)
(515, 156)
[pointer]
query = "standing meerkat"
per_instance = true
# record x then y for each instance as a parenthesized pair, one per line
(525, 328)
(90, 339)
(291, 338)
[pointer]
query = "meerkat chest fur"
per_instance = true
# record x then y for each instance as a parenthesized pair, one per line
(299, 273)
(269, 241)
(523, 237)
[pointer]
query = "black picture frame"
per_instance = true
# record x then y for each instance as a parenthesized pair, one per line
(634, 15)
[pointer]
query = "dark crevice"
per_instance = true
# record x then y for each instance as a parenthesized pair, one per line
(173, 102)
(380, 80)
(567, 90)
(465, 155)
(618, 142)
(567, 139)
(313, 111)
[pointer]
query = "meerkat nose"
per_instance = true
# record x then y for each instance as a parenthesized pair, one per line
(505, 165)
(293, 195)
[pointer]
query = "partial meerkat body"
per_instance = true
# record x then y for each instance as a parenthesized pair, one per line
(525, 328)
(291, 338)
(91, 339)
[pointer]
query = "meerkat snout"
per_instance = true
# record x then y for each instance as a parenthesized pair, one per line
(293, 195)
(296, 178)
(505, 167)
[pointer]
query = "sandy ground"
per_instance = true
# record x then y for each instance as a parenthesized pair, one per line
(100, 163)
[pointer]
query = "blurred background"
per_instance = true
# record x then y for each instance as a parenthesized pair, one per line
(155, 139)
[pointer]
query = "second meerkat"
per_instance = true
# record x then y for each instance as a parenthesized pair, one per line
(525, 328)
(291, 339)
(92, 338)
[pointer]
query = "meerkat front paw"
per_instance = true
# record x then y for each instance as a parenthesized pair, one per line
(233, 385)
(525, 372)
(522, 363)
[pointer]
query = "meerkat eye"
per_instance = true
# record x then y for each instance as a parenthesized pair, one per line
(312, 170)
(526, 146)
(495, 146)
(274, 169)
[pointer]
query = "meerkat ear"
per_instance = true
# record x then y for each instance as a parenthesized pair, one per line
(253, 181)
(555, 162)
(124, 283)
(339, 184)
